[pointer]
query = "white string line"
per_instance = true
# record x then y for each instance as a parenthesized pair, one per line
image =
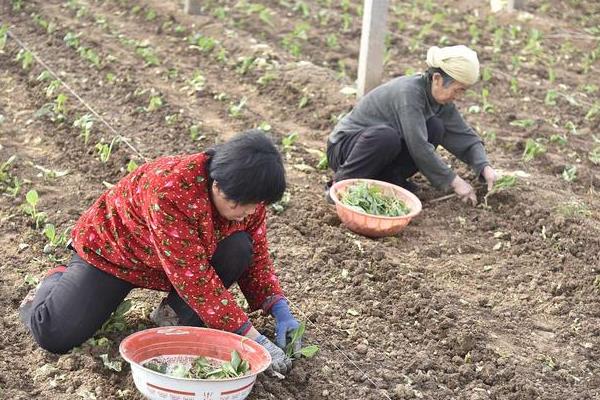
(337, 348)
(83, 102)
(124, 140)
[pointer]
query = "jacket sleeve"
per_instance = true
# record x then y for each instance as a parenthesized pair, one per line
(259, 283)
(173, 218)
(462, 141)
(410, 118)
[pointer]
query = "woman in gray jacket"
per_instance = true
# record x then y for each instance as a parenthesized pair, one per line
(393, 131)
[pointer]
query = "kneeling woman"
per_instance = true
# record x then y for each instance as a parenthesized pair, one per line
(190, 225)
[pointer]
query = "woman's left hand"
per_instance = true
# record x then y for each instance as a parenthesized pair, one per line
(490, 177)
(285, 324)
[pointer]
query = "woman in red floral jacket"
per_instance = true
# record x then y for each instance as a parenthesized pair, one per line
(190, 225)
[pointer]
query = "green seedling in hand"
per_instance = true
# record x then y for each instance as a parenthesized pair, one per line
(295, 336)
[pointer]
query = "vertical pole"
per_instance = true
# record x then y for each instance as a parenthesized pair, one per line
(510, 5)
(192, 7)
(370, 63)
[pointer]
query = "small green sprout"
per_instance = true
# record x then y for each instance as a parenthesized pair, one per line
(155, 103)
(105, 150)
(3, 36)
(288, 141)
(594, 155)
(569, 174)
(533, 149)
(131, 166)
(523, 123)
(85, 124)
(26, 58)
(55, 239)
(235, 110)
(32, 199)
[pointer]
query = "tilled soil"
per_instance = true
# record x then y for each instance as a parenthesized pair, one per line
(497, 302)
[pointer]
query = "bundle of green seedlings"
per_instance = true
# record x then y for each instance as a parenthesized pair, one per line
(203, 368)
(371, 200)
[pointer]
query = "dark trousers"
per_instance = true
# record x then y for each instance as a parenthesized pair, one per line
(69, 308)
(378, 152)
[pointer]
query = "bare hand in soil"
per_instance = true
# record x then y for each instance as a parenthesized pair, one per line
(490, 177)
(464, 190)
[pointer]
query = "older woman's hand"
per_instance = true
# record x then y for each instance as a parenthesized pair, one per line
(490, 177)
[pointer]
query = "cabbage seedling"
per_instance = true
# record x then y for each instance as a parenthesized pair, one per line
(85, 123)
(569, 174)
(594, 156)
(55, 239)
(32, 199)
(296, 335)
(155, 103)
(3, 36)
(104, 150)
(288, 141)
(235, 110)
(503, 183)
(26, 58)
(533, 149)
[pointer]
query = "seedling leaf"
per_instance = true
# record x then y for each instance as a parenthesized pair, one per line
(309, 351)
(32, 197)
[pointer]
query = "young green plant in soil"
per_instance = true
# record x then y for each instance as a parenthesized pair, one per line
(30, 209)
(371, 200)
(296, 335)
(503, 183)
(203, 368)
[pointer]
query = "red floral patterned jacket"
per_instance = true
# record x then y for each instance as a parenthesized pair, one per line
(157, 228)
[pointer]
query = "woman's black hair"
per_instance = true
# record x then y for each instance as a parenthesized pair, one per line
(446, 79)
(248, 168)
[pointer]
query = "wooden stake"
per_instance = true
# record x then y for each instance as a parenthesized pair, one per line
(192, 7)
(370, 63)
(510, 5)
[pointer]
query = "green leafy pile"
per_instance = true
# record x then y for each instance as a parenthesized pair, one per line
(203, 368)
(370, 199)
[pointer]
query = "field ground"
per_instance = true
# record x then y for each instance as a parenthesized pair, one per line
(498, 302)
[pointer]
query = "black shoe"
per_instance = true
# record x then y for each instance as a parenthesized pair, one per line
(327, 195)
(25, 308)
(410, 186)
